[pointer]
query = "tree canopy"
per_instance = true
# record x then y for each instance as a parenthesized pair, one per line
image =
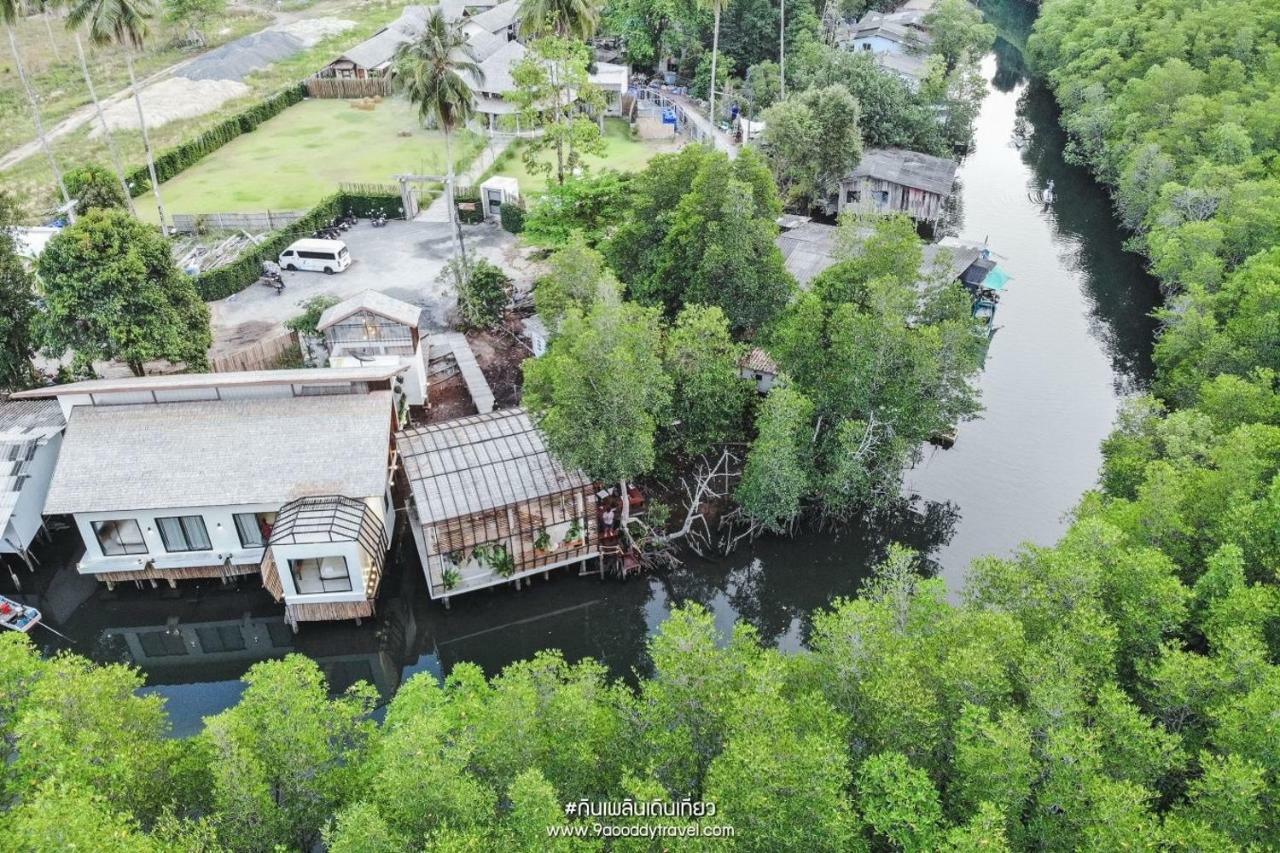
(112, 291)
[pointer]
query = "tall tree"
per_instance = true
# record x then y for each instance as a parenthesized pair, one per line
(123, 23)
(715, 7)
(433, 72)
(555, 92)
(708, 398)
(811, 142)
(112, 292)
(17, 308)
(9, 11)
(600, 392)
(576, 19)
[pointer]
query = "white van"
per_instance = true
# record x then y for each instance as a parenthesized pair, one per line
(328, 256)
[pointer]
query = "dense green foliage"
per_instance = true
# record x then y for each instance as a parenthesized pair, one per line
(483, 291)
(112, 292)
(812, 141)
(700, 228)
(184, 156)
(93, 186)
(17, 307)
(590, 205)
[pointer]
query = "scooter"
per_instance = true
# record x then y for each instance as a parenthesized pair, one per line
(272, 277)
(378, 220)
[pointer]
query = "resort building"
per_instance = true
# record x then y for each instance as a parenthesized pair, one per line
(373, 329)
(489, 504)
(30, 437)
(372, 57)
(285, 474)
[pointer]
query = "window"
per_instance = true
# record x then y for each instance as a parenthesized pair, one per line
(852, 196)
(866, 45)
(123, 536)
(318, 256)
(183, 533)
(220, 638)
(162, 644)
(320, 574)
(882, 196)
(254, 528)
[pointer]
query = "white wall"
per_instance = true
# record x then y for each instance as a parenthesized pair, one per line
(878, 44)
(415, 378)
(356, 565)
(224, 540)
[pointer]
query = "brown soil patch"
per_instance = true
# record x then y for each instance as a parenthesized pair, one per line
(499, 353)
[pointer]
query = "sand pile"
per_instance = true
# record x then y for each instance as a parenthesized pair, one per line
(171, 100)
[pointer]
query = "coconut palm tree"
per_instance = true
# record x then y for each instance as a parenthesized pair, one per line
(123, 23)
(433, 71)
(563, 18)
(9, 13)
(716, 7)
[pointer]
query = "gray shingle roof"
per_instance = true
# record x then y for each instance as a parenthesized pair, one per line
(375, 303)
(380, 48)
(222, 452)
(496, 69)
(480, 463)
(908, 168)
(498, 18)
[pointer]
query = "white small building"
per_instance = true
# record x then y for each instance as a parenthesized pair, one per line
(880, 32)
(373, 329)
(759, 367)
(30, 436)
(536, 331)
(282, 473)
(497, 191)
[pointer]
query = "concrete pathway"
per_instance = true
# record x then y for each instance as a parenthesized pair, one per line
(438, 210)
(477, 385)
(703, 129)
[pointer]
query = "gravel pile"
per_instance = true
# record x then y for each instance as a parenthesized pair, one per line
(237, 60)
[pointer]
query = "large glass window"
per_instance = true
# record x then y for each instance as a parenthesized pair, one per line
(122, 536)
(320, 574)
(254, 528)
(184, 533)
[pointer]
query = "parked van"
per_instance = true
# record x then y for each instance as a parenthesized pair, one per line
(328, 256)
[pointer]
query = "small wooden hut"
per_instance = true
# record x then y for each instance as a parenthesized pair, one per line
(894, 180)
(490, 504)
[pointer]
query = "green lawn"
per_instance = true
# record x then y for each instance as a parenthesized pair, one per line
(301, 155)
(621, 152)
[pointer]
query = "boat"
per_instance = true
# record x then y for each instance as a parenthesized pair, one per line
(17, 617)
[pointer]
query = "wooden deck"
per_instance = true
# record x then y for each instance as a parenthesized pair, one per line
(184, 573)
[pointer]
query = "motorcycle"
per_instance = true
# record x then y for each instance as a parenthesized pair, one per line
(272, 277)
(378, 219)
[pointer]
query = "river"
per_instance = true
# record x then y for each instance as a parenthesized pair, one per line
(1074, 337)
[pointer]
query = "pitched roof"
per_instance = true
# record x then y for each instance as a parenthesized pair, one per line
(380, 48)
(908, 168)
(498, 18)
(496, 69)
(222, 452)
(485, 45)
(172, 381)
(911, 65)
(899, 33)
(374, 302)
(480, 463)
(808, 249)
(758, 360)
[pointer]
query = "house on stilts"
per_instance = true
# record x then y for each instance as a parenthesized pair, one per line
(284, 474)
(489, 504)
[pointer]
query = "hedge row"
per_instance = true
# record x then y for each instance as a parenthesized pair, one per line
(182, 157)
(246, 269)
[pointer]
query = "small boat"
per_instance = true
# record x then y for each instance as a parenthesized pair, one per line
(17, 617)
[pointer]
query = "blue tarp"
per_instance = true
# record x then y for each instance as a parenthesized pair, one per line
(996, 279)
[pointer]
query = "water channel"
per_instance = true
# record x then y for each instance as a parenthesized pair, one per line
(1075, 336)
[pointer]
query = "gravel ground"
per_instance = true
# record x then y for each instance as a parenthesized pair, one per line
(171, 100)
(403, 260)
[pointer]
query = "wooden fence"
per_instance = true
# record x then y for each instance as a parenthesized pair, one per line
(333, 87)
(266, 354)
(254, 223)
(369, 189)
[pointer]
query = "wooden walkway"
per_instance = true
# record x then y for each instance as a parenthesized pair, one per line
(477, 385)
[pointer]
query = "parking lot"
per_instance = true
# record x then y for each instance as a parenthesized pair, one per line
(402, 259)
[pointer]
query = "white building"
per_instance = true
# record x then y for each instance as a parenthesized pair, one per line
(282, 473)
(892, 32)
(759, 367)
(536, 331)
(30, 436)
(373, 329)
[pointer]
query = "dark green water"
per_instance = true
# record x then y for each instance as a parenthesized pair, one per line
(1075, 336)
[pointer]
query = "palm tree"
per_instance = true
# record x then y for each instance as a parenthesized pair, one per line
(123, 23)
(716, 6)
(563, 18)
(432, 71)
(9, 13)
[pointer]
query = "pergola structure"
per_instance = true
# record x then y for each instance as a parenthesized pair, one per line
(490, 504)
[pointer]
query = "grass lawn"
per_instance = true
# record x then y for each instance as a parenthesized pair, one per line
(621, 152)
(297, 158)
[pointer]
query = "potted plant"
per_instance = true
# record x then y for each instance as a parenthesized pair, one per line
(573, 537)
(449, 578)
(502, 561)
(542, 542)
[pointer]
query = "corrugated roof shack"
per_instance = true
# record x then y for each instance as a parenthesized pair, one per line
(490, 504)
(894, 180)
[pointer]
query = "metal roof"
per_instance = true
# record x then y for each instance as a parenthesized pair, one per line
(172, 381)
(479, 463)
(25, 425)
(222, 452)
(375, 303)
(809, 250)
(907, 168)
(911, 65)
